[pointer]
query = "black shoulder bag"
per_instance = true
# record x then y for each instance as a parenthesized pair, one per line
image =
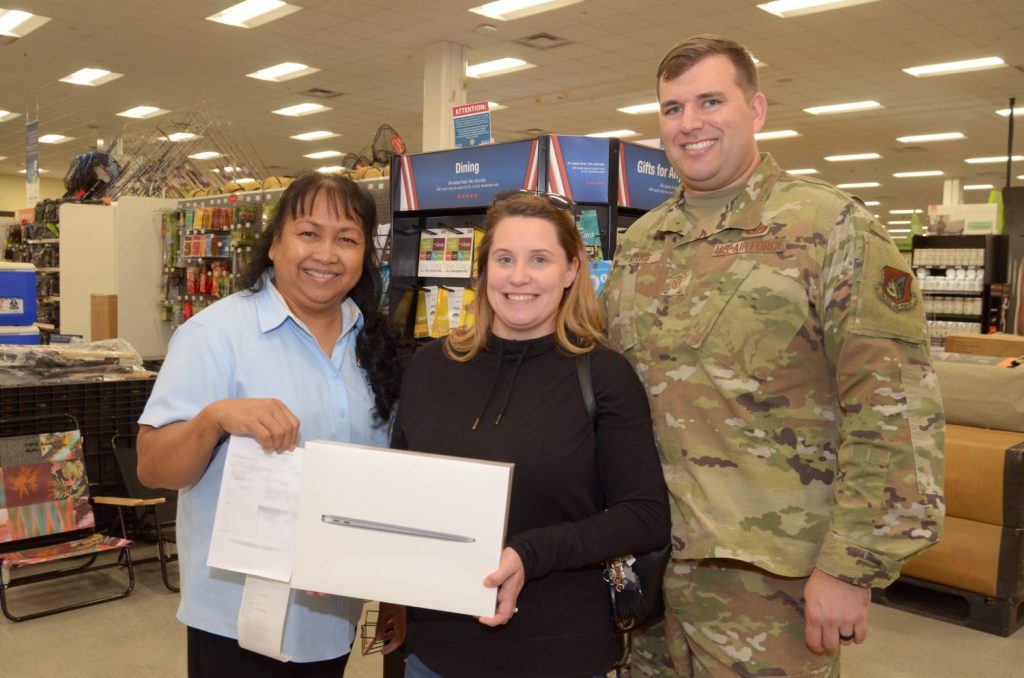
(634, 582)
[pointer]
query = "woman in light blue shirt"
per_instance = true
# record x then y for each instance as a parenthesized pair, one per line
(303, 353)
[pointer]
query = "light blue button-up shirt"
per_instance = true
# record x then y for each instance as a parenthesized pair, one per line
(251, 346)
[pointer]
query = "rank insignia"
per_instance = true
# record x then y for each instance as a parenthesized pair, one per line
(896, 289)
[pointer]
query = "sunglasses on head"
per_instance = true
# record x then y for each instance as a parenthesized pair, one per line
(555, 200)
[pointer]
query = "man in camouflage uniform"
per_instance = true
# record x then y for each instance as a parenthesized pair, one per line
(782, 341)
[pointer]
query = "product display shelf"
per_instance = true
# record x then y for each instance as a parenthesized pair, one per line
(32, 241)
(961, 282)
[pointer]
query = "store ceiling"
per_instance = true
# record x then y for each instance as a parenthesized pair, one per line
(371, 51)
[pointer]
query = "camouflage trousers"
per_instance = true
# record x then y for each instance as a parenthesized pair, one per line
(729, 618)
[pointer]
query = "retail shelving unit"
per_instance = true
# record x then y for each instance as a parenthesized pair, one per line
(960, 278)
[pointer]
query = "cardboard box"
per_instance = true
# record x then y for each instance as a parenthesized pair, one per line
(1000, 345)
(103, 322)
(985, 476)
(973, 556)
(985, 396)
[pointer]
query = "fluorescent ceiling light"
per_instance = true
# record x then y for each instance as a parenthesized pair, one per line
(979, 187)
(496, 67)
(245, 180)
(41, 171)
(330, 169)
(872, 203)
(253, 13)
(921, 173)
(143, 112)
(852, 156)
(757, 62)
(955, 67)
(791, 8)
(992, 159)
(805, 170)
(314, 136)
(228, 170)
(302, 109)
(54, 139)
(650, 143)
(638, 109)
(3, 157)
(509, 10)
(495, 106)
(898, 222)
(1005, 112)
(619, 133)
(179, 136)
(777, 134)
(8, 115)
(924, 138)
(91, 77)
(843, 108)
(17, 24)
(905, 211)
(283, 71)
(323, 154)
(205, 155)
(860, 184)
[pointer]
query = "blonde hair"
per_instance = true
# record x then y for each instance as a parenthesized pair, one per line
(579, 324)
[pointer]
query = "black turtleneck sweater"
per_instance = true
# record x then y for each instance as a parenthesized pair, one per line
(579, 496)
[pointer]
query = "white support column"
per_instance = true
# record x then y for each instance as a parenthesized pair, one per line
(444, 86)
(952, 192)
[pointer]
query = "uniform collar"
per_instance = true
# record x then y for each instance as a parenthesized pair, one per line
(273, 311)
(744, 211)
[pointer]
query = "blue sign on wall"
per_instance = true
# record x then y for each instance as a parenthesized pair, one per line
(578, 168)
(646, 178)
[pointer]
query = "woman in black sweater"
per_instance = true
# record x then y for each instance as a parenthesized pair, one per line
(584, 490)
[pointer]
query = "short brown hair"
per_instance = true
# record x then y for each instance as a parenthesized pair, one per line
(579, 325)
(692, 51)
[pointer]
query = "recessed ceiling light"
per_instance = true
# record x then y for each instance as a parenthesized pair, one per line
(777, 134)
(143, 112)
(314, 136)
(8, 115)
(955, 67)
(245, 180)
(638, 109)
(54, 139)
(40, 170)
(1005, 112)
(650, 143)
(898, 222)
(978, 187)
(992, 159)
(923, 138)
(619, 133)
(205, 155)
(17, 24)
(508, 10)
(852, 156)
(495, 106)
(791, 8)
(920, 173)
(302, 109)
(331, 169)
(872, 203)
(179, 136)
(905, 211)
(252, 13)
(283, 71)
(860, 184)
(91, 77)
(805, 170)
(488, 69)
(843, 108)
(323, 154)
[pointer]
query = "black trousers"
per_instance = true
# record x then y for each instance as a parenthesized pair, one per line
(213, 656)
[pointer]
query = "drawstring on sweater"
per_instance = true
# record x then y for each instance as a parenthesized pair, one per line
(494, 385)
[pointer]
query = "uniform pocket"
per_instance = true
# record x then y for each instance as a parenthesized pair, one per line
(924, 416)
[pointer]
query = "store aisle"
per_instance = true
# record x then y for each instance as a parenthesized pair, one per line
(139, 637)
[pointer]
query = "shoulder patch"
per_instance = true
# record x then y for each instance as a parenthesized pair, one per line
(887, 296)
(896, 289)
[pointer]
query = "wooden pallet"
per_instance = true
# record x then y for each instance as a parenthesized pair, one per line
(966, 608)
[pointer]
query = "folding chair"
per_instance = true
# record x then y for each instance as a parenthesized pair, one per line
(46, 519)
(160, 517)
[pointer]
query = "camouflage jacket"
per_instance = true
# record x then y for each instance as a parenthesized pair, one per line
(784, 351)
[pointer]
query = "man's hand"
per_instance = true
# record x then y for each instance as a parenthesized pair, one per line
(390, 627)
(509, 578)
(834, 612)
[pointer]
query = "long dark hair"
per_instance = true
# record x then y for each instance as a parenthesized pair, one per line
(379, 348)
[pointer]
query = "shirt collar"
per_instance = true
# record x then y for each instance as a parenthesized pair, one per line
(273, 311)
(744, 211)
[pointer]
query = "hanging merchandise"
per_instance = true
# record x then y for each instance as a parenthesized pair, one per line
(421, 330)
(90, 174)
(440, 326)
(467, 311)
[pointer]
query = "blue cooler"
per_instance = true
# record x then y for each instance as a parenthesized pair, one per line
(19, 335)
(17, 294)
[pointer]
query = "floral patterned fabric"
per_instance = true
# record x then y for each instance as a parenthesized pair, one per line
(94, 543)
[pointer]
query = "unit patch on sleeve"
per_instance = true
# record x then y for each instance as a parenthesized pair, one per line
(896, 289)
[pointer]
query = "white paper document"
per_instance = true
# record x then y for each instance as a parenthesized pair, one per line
(401, 527)
(262, 616)
(254, 529)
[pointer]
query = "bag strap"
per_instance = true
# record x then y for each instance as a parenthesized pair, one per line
(586, 384)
